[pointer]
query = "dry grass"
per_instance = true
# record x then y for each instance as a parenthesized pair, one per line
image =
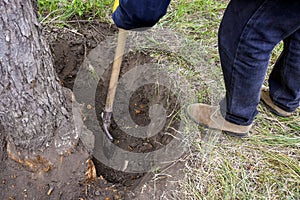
(264, 166)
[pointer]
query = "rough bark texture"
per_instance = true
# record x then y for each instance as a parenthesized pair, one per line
(36, 115)
(33, 108)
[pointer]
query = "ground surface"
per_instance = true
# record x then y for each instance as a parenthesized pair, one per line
(266, 165)
(70, 49)
(69, 52)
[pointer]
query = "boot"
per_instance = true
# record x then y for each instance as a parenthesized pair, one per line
(266, 99)
(211, 117)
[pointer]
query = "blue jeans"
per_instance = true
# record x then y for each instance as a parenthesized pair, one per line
(248, 33)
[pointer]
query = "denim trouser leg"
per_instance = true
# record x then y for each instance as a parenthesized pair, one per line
(284, 80)
(248, 33)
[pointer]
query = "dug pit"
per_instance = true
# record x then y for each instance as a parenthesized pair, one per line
(83, 61)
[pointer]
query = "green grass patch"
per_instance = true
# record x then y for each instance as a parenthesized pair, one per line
(194, 17)
(61, 11)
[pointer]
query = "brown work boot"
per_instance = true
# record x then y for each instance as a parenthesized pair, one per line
(211, 117)
(265, 97)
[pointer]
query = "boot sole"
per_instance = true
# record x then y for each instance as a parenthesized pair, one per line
(264, 97)
(272, 110)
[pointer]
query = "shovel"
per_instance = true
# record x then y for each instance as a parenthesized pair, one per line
(107, 113)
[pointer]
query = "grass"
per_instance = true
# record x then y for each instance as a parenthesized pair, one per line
(264, 166)
(61, 11)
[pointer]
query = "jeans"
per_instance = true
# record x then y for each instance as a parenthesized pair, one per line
(248, 33)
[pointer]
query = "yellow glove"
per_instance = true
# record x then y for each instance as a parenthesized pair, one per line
(116, 4)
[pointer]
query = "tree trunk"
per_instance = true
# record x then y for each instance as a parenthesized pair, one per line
(34, 112)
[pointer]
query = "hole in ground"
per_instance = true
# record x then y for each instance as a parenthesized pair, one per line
(139, 106)
(69, 51)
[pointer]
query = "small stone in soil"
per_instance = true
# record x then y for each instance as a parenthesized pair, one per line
(146, 147)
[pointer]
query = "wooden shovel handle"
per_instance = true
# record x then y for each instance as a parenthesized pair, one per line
(122, 36)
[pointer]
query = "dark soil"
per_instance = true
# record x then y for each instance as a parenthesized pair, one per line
(68, 57)
(69, 49)
(139, 105)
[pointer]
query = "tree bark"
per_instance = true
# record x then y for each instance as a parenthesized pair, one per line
(33, 108)
(36, 113)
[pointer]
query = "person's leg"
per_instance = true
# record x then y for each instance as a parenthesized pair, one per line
(245, 53)
(248, 33)
(235, 19)
(284, 80)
